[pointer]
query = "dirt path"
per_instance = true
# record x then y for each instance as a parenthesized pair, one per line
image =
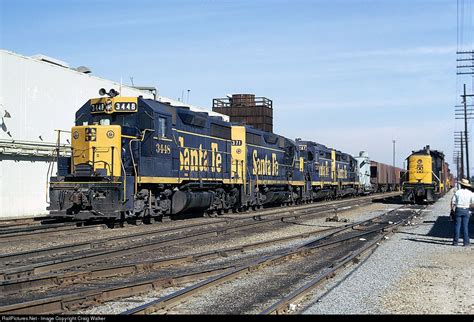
(443, 285)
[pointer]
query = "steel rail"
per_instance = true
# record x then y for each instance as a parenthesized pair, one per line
(22, 284)
(49, 266)
(174, 299)
(10, 232)
(19, 222)
(298, 295)
(106, 241)
(28, 284)
(40, 231)
(59, 304)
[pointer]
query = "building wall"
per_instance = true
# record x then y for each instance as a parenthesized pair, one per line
(40, 97)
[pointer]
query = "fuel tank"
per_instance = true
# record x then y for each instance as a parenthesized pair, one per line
(184, 201)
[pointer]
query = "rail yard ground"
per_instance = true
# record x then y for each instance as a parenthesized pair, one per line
(414, 271)
(417, 271)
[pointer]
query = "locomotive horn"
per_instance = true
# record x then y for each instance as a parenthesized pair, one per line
(113, 92)
(102, 92)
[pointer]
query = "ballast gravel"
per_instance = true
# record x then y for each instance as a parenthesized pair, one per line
(393, 279)
(355, 214)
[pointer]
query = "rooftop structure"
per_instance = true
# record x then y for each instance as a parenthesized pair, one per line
(246, 109)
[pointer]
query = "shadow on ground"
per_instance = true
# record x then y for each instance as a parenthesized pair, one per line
(443, 228)
(397, 200)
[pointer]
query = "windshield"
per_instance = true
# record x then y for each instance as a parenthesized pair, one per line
(105, 119)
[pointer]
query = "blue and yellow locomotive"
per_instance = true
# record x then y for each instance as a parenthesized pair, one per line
(139, 158)
(330, 173)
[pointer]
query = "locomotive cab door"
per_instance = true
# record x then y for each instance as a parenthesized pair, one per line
(163, 140)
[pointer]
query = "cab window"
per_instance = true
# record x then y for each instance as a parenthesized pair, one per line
(162, 126)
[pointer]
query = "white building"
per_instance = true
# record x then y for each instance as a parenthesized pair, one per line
(39, 95)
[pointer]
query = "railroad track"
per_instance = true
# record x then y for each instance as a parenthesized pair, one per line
(41, 231)
(43, 282)
(168, 302)
(285, 304)
(20, 222)
(213, 276)
(42, 227)
(103, 249)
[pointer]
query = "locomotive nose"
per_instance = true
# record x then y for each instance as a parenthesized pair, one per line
(96, 150)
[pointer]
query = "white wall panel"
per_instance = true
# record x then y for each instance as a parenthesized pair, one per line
(40, 97)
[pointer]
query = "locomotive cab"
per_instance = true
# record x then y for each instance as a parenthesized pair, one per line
(92, 183)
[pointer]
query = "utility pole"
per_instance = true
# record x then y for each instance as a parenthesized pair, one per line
(393, 141)
(457, 162)
(459, 143)
(465, 66)
(465, 132)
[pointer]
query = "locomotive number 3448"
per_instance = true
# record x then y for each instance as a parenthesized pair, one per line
(163, 148)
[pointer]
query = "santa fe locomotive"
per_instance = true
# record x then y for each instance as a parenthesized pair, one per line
(140, 158)
(427, 175)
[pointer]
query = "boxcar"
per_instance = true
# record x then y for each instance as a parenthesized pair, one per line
(384, 177)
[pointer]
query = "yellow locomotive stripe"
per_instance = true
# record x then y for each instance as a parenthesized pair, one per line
(159, 180)
(262, 147)
(171, 180)
(202, 135)
(94, 182)
(294, 183)
(213, 137)
(322, 183)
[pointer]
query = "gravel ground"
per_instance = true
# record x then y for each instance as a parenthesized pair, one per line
(355, 214)
(272, 230)
(32, 242)
(416, 271)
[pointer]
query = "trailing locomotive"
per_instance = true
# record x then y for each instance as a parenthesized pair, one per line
(140, 158)
(330, 173)
(427, 176)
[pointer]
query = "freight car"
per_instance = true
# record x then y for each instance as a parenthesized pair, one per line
(384, 177)
(428, 176)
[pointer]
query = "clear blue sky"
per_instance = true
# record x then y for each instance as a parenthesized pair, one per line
(350, 74)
